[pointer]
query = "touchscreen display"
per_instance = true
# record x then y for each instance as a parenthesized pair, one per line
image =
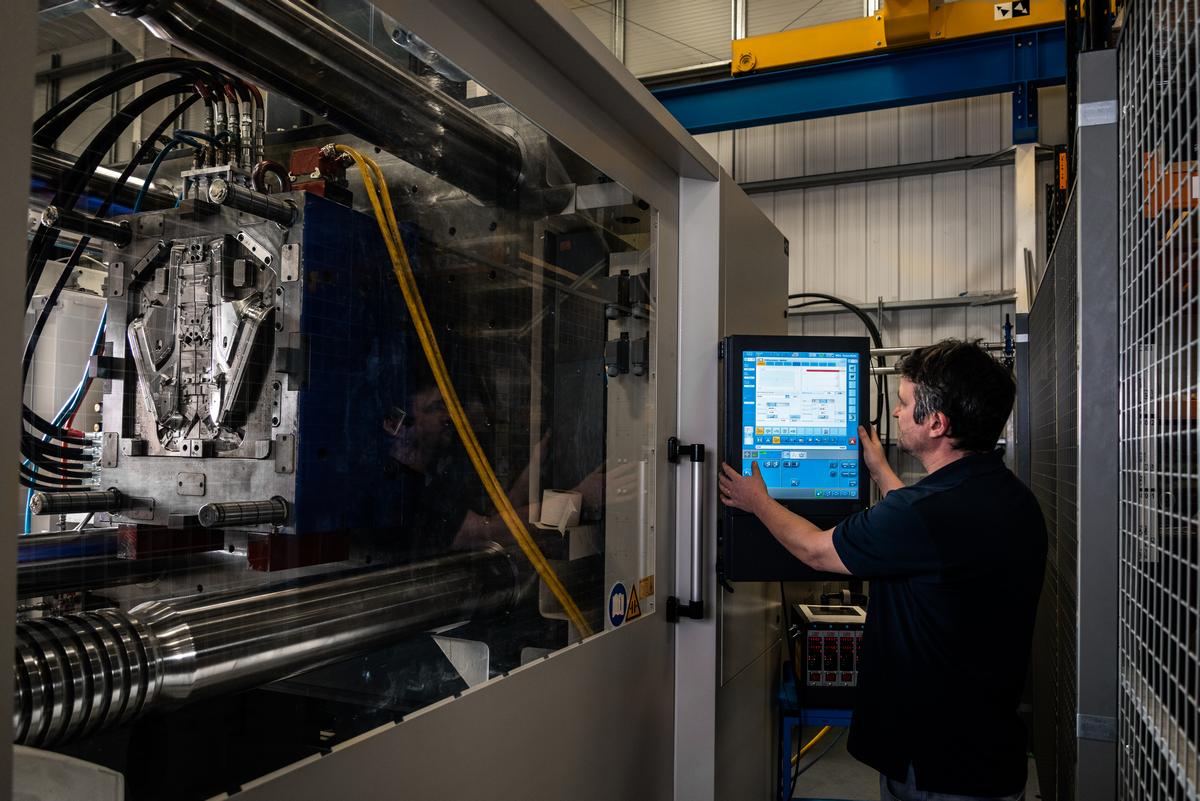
(800, 422)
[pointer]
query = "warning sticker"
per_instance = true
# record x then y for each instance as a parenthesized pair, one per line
(1018, 8)
(618, 601)
(635, 609)
(646, 587)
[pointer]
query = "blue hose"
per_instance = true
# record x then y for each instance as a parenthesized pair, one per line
(68, 408)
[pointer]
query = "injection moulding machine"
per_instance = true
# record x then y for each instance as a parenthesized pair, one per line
(380, 484)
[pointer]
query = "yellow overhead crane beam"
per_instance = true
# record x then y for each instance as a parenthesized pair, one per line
(899, 23)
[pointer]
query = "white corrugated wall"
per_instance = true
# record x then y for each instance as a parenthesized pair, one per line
(598, 16)
(913, 238)
(666, 34)
(773, 16)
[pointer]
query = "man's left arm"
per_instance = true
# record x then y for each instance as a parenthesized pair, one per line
(807, 542)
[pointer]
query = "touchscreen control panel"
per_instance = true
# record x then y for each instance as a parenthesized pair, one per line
(792, 405)
(800, 422)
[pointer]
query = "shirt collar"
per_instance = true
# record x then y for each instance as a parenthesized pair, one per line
(971, 464)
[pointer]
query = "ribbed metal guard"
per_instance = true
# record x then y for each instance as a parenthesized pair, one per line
(1053, 411)
(76, 673)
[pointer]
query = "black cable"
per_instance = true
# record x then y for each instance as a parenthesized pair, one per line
(74, 180)
(54, 466)
(110, 81)
(51, 125)
(55, 451)
(43, 240)
(50, 480)
(52, 299)
(47, 128)
(70, 186)
(37, 486)
(867, 321)
(49, 429)
(36, 420)
(877, 338)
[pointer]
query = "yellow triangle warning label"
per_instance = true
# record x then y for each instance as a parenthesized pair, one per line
(635, 609)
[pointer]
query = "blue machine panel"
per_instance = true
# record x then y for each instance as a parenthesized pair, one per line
(354, 349)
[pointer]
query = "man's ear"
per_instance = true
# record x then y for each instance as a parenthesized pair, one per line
(939, 425)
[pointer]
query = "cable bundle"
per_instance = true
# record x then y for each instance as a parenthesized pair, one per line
(55, 456)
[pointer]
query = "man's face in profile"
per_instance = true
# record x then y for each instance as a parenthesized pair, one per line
(431, 423)
(909, 437)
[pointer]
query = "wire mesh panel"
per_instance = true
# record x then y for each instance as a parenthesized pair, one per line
(1053, 411)
(1159, 54)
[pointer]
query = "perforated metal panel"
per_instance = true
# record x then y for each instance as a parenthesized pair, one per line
(1053, 410)
(1159, 715)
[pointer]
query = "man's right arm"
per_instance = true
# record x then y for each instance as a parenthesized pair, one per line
(881, 472)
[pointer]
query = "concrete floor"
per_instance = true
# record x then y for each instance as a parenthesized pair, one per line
(840, 777)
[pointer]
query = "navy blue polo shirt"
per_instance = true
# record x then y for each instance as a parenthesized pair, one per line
(955, 563)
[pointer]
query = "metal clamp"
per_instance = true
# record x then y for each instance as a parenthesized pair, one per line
(694, 608)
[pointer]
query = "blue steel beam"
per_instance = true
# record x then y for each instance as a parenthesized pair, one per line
(1016, 62)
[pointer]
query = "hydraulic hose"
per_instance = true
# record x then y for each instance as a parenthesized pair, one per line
(291, 47)
(55, 451)
(76, 180)
(56, 467)
(59, 117)
(39, 423)
(49, 480)
(881, 414)
(44, 427)
(386, 218)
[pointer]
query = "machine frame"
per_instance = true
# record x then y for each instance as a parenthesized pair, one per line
(652, 709)
(589, 695)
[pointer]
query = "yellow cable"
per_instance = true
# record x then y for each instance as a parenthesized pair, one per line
(386, 218)
(816, 739)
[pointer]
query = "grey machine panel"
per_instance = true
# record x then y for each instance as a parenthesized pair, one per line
(754, 287)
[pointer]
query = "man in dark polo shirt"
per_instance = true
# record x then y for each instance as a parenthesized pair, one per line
(955, 563)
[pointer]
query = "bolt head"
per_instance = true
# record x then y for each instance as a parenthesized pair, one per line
(218, 190)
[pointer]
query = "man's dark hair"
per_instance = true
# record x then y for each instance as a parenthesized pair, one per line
(962, 381)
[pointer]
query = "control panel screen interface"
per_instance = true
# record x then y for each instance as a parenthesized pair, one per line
(800, 422)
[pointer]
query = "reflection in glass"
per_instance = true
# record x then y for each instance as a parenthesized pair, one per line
(259, 494)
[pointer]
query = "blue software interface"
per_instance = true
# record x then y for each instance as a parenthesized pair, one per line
(800, 422)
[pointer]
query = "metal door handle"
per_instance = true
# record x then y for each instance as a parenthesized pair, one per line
(694, 608)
